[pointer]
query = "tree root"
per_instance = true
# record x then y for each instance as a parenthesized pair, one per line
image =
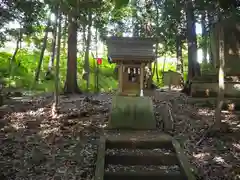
(214, 130)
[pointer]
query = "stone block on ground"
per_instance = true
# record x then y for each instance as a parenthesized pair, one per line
(132, 113)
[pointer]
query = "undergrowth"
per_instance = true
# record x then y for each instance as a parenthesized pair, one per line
(24, 68)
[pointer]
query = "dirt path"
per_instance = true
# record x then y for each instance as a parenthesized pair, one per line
(34, 145)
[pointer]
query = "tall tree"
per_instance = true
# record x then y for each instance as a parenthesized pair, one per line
(179, 44)
(12, 61)
(88, 42)
(193, 69)
(43, 49)
(19, 34)
(221, 87)
(210, 19)
(58, 62)
(71, 85)
(51, 60)
(204, 36)
(180, 36)
(65, 30)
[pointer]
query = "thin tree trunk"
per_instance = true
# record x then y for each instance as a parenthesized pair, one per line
(95, 67)
(84, 40)
(204, 37)
(182, 35)
(210, 21)
(157, 45)
(71, 85)
(58, 61)
(179, 54)
(156, 63)
(164, 63)
(13, 58)
(193, 69)
(86, 64)
(64, 34)
(14, 55)
(221, 81)
(163, 68)
(51, 62)
(43, 50)
(134, 18)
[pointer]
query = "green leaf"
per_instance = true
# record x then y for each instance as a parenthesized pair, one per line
(120, 3)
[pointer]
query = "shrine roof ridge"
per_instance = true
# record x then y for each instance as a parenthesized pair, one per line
(131, 39)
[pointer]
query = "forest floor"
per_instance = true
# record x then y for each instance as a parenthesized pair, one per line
(36, 145)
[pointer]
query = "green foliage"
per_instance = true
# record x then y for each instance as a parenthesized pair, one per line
(208, 68)
(120, 3)
(163, 19)
(27, 13)
(26, 63)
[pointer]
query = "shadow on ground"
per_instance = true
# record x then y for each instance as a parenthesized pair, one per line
(36, 145)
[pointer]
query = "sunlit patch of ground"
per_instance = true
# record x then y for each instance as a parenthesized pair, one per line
(217, 157)
(36, 145)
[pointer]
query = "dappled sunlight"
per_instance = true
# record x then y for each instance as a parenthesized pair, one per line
(207, 92)
(52, 49)
(232, 120)
(237, 86)
(205, 112)
(65, 143)
(220, 160)
(237, 146)
(17, 125)
(46, 132)
(202, 157)
(68, 142)
(31, 113)
(216, 155)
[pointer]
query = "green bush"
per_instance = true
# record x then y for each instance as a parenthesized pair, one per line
(26, 62)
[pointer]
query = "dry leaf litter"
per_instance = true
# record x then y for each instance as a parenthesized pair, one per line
(35, 145)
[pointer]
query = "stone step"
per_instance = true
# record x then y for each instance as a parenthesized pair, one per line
(141, 156)
(146, 158)
(143, 176)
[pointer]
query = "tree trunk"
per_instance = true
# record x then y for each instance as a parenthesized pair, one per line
(221, 81)
(163, 68)
(64, 34)
(71, 85)
(180, 33)
(43, 50)
(210, 21)
(204, 37)
(84, 39)
(58, 60)
(86, 61)
(134, 18)
(51, 62)
(96, 66)
(13, 58)
(179, 54)
(193, 66)
(157, 45)
(156, 63)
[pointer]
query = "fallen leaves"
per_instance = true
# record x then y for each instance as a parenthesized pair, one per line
(212, 158)
(38, 144)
